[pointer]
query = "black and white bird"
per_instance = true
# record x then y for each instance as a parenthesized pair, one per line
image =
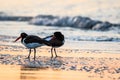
(56, 40)
(30, 42)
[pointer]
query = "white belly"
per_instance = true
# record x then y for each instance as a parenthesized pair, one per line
(32, 45)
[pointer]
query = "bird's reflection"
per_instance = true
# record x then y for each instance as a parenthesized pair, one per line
(30, 70)
(30, 73)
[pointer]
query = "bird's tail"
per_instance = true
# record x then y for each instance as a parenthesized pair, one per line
(46, 42)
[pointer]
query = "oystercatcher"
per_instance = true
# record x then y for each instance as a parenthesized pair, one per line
(31, 42)
(56, 40)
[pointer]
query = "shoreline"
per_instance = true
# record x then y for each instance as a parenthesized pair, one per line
(63, 52)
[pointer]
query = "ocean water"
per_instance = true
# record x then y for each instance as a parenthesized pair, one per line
(73, 19)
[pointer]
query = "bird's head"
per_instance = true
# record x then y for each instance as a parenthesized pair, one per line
(22, 35)
(59, 36)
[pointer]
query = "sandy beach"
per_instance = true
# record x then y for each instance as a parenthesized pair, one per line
(75, 63)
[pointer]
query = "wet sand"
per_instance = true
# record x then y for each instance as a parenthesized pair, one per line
(72, 64)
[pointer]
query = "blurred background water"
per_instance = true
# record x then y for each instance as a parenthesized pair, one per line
(105, 10)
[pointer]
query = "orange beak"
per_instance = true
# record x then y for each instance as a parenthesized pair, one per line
(17, 39)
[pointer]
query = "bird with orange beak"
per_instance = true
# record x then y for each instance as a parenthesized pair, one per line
(30, 42)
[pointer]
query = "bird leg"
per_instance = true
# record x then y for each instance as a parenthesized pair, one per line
(55, 52)
(29, 53)
(34, 53)
(52, 52)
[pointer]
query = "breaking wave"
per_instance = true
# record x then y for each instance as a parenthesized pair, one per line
(75, 22)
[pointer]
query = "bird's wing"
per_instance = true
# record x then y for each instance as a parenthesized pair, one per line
(48, 38)
(33, 39)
